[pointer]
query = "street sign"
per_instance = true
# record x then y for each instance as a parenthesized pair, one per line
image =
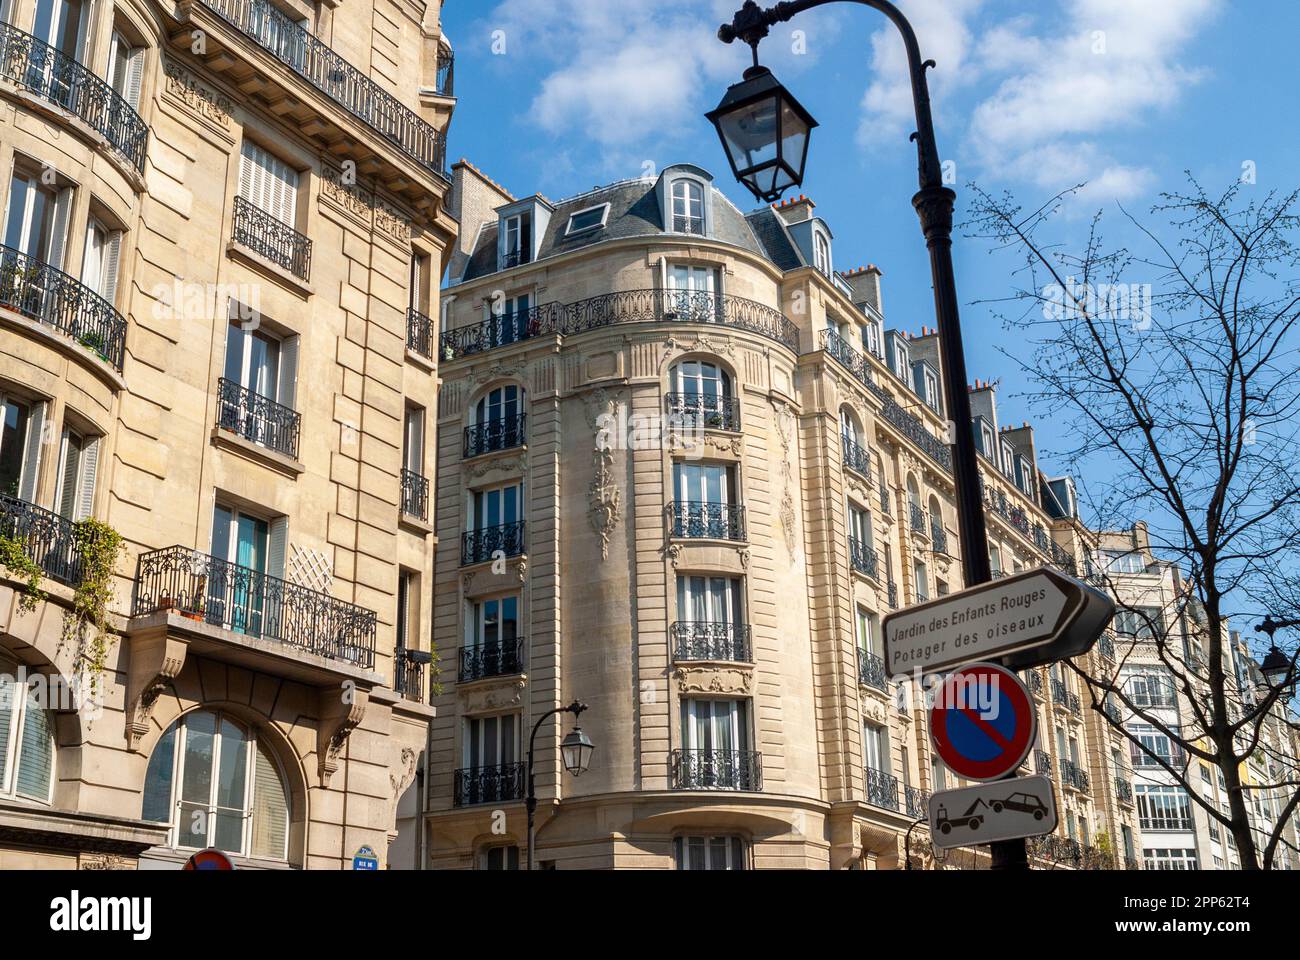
(365, 859)
(1004, 810)
(982, 721)
(1025, 620)
(208, 860)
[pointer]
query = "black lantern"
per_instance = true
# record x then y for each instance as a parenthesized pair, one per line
(764, 131)
(1276, 668)
(576, 749)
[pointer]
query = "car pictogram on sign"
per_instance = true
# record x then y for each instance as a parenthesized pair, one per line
(1023, 802)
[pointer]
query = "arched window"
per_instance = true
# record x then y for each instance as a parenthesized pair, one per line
(216, 785)
(26, 736)
(500, 422)
(822, 253)
(854, 449)
(701, 394)
(688, 207)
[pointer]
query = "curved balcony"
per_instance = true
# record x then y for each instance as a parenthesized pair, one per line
(505, 433)
(50, 297)
(257, 419)
(502, 330)
(703, 641)
(716, 770)
(480, 546)
(697, 520)
(57, 78)
(44, 537)
(695, 411)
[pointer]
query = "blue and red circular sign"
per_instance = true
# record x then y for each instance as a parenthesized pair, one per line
(983, 722)
(208, 860)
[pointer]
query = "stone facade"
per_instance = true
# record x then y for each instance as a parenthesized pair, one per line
(291, 631)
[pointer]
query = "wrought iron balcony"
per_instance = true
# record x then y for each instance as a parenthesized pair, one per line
(494, 658)
(1042, 763)
(510, 326)
(694, 411)
(882, 789)
(938, 535)
(1124, 791)
(871, 670)
(419, 333)
(702, 640)
(1113, 711)
(885, 507)
(1036, 683)
(45, 538)
(1073, 775)
(415, 495)
(1106, 646)
(271, 238)
(1074, 705)
(1059, 694)
(864, 558)
(501, 783)
(504, 433)
(480, 546)
(247, 601)
(893, 595)
(337, 79)
(918, 802)
(49, 296)
(909, 424)
(57, 78)
(847, 357)
(408, 677)
(716, 770)
(258, 420)
(445, 84)
(697, 520)
(856, 457)
(1056, 849)
(917, 518)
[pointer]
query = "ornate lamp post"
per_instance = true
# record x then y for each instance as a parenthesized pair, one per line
(575, 749)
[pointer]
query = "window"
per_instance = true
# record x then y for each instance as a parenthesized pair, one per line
(501, 858)
(875, 747)
(21, 425)
(261, 362)
(691, 293)
(995, 559)
(1153, 746)
(902, 363)
(78, 464)
(710, 600)
(125, 69)
(1126, 833)
(413, 440)
(688, 207)
(590, 219)
(517, 243)
(268, 183)
(496, 507)
(867, 629)
(938, 775)
(822, 253)
(1121, 561)
(871, 338)
(1162, 807)
(1140, 622)
(987, 445)
(492, 639)
(1160, 858)
(941, 587)
(1152, 688)
(216, 785)
(255, 544)
(421, 274)
(859, 527)
(930, 384)
(717, 733)
(702, 395)
(36, 219)
(511, 320)
(921, 582)
(26, 736)
(99, 263)
(710, 853)
(408, 589)
(706, 494)
(491, 741)
(1008, 461)
(1025, 478)
(63, 24)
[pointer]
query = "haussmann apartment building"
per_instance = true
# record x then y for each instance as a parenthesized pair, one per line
(712, 591)
(224, 221)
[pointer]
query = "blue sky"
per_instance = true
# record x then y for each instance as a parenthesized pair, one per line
(1033, 96)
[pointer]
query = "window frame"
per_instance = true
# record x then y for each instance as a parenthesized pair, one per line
(685, 218)
(570, 230)
(20, 706)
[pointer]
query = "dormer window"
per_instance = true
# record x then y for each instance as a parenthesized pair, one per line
(871, 338)
(1026, 476)
(1008, 461)
(688, 207)
(987, 446)
(901, 362)
(593, 218)
(518, 245)
(822, 253)
(930, 386)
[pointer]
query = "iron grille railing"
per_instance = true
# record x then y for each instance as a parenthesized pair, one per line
(333, 76)
(703, 640)
(1113, 711)
(480, 546)
(844, 354)
(882, 789)
(445, 83)
(918, 518)
(1106, 647)
(1055, 849)
(704, 412)
(419, 333)
(1059, 695)
(864, 558)
(504, 433)
(893, 595)
(1036, 683)
(697, 520)
(45, 538)
(884, 501)
(247, 601)
(258, 420)
(501, 783)
(1123, 791)
(1073, 775)
(1074, 704)
(515, 258)
(871, 670)
(938, 535)
(716, 770)
(59, 79)
(493, 658)
(856, 457)
(918, 802)
(271, 238)
(1042, 763)
(415, 495)
(408, 676)
(51, 297)
(503, 329)
(909, 424)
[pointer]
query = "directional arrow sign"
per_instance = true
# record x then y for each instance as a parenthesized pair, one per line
(1026, 620)
(1003, 810)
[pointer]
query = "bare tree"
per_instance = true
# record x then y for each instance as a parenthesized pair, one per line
(1173, 368)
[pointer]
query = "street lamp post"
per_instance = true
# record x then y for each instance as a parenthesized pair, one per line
(575, 749)
(1277, 666)
(759, 109)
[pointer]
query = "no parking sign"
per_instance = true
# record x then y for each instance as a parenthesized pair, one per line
(983, 722)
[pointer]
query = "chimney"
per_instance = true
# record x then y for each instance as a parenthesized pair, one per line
(795, 211)
(865, 282)
(473, 201)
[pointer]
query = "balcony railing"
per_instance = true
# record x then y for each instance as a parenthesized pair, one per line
(271, 238)
(938, 535)
(419, 333)
(415, 495)
(49, 296)
(882, 789)
(871, 670)
(885, 507)
(716, 770)
(504, 433)
(501, 783)
(1106, 647)
(1036, 683)
(917, 517)
(45, 538)
(258, 420)
(57, 78)
(626, 306)
(1059, 695)
(918, 802)
(337, 79)
(697, 520)
(494, 658)
(408, 676)
(702, 640)
(247, 601)
(909, 424)
(1074, 705)
(480, 546)
(844, 354)
(1073, 775)
(1124, 791)
(693, 411)
(856, 457)
(1056, 849)
(893, 595)
(445, 83)
(1042, 763)
(864, 558)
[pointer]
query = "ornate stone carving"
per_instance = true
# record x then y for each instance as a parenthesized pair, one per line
(733, 680)
(785, 430)
(705, 344)
(403, 773)
(522, 569)
(467, 582)
(341, 710)
(745, 557)
(364, 204)
(605, 509)
(203, 101)
(156, 660)
(104, 861)
(500, 371)
(477, 471)
(489, 697)
(674, 554)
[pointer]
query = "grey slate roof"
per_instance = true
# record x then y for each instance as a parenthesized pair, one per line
(771, 233)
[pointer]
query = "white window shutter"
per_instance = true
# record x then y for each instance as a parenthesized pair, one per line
(134, 77)
(86, 482)
(35, 752)
(59, 229)
(288, 372)
(32, 455)
(65, 503)
(278, 547)
(270, 810)
(8, 690)
(108, 278)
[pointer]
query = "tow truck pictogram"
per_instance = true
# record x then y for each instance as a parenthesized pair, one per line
(969, 819)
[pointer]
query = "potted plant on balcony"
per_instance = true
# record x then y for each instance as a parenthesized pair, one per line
(93, 341)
